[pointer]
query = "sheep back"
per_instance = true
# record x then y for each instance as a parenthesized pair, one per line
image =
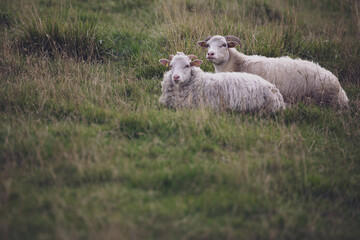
(295, 78)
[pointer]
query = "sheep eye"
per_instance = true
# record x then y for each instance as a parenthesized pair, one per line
(224, 45)
(207, 45)
(187, 66)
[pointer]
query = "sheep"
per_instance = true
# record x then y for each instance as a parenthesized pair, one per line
(295, 78)
(186, 85)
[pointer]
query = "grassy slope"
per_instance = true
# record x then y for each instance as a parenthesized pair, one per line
(87, 153)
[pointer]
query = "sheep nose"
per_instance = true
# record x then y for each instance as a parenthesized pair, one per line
(211, 53)
(176, 77)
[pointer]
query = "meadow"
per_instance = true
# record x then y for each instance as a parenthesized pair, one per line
(86, 151)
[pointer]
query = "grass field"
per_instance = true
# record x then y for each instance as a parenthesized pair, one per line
(86, 152)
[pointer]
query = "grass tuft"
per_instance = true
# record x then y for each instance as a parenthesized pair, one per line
(63, 34)
(5, 19)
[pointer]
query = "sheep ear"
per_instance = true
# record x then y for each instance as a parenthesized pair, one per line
(231, 44)
(164, 62)
(196, 63)
(202, 44)
(192, 57)
(171, 56)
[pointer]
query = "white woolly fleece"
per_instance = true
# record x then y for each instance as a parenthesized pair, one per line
(221, 91)
(295, 78)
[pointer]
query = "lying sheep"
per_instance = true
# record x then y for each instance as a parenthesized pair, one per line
(186, 85)
(296, 79)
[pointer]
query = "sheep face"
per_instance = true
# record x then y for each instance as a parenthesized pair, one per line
(180, 66)
(218, 49)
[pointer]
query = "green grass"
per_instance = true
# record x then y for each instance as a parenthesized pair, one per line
(86, 152)
(64, 34)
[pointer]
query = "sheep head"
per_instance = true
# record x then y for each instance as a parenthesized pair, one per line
(180, 66)
(218, 46)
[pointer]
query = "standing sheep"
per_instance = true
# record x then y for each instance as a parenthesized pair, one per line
(186, 85)
(296, 79)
